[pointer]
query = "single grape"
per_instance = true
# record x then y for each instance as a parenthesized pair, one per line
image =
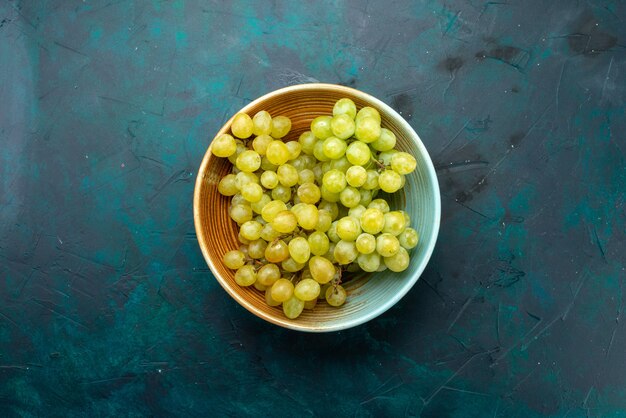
(294, 149)
(379, 204)
(336, 295)
(307, 140)
(324, 219)
(291, 266)
(268, 274)
(282, 290)
(331, 207)
(268, 233)
(251, 230)
(369, 262)
(308, 216)
(307, 289)
(367, 129)
(372, 220)
(248, 161)
(385, 142)
(394, 223)
(299, 249)
(268, 298)
(403, 163)
(258, 286)
(348, 228)
(252, 192)
(320, 126)
(242, 126)
(271, 209)
(371, 182)
(389, 181)
(241, 213)
(321, 269)
(387, 245)
(238, 200)
(266, 165)
(284, 222)
(287, 175)
(281, 125)
(333, 147)
(242, 239)
(368, 112)
(276, 251)
(292, 308)
(356, 212)
(345, 252)
(227, 185)
(399, 261)
(366, 243)
(309, 193)
(256, 248)
(277, 152)
(245, 276)
(358, 153)
(408, 238)
(318, 243)
(356, 176)
(350, 197)
(345, 107)
(342, 164)
(318, 152)
(281, 192)
(334, 181)
(269, 179)
(386, 156)
(224, 146)
(234, 259)
(260, 144)
(343, 126)
(262, 123)
(366, 196)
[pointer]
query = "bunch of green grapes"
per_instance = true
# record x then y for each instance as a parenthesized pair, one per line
(307, 209)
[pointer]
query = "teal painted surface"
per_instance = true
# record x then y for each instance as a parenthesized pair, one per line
(107, 307)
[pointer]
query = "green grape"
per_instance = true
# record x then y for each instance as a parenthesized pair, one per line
(317, 171)
(262, 123)
(389, 181)
(356, 176)
(284, 222)
(345, 107)
(386, 156)
(356, 212)
(333, 147)
(323, 289)
(336, 295)
(399, 261)
(306, 176)
(243, 178)
(294, 149)
(387, 245)
(291, 266)
(238, 200)
(241, 213)
(306, 274)
(292, 308)
(307, 290)
(309, 161)
(331, 207)
(287, 175)
(332, 232)
(342, 164)
(329, 196)
(243, 240)
(298, 164)
(366, 243)
(320, 126)
(260, 144)
(269, 179)
(408, 238)
(348, 228)
(268, 233)
(319, 243)
(266, 165)
(403, 163)
(281, 125)
(308, 216)
(245, 276)
(242, 126)
(227, 185)
(385, 142)
(257, 207)
(282, 290)
(259, 218)
(358, 153)
(281, 192)
(343, 126)
(268, 298)
(271, 209)
(334, 181)
(240, 148)
(310, 304)
(350, 197)
(353, 267)
(276, 251)
(252, 192)
(372, 220)
(307, 140)
(299, 249)
(326, 166)
(309, 193)
(277, 152)
(367, 129)
(324, 219)
(371, 182)
(321, 269)
(234, 259)
(258, 286)
(369, 112)
(366, 197)
(318, 151)
(345, 252)
(379, 204)
(224, 146)
(407, 218)
(256, 248)
(268, 274)
(248, 161)
(369, 262)
(251, 230)
(330, 255)
(394, 223)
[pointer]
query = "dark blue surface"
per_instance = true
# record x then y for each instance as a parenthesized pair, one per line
(107, 307)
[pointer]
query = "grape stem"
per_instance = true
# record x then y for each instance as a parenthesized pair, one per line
(380, 165)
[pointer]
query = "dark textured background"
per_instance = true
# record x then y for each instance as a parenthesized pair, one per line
(107, 306)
